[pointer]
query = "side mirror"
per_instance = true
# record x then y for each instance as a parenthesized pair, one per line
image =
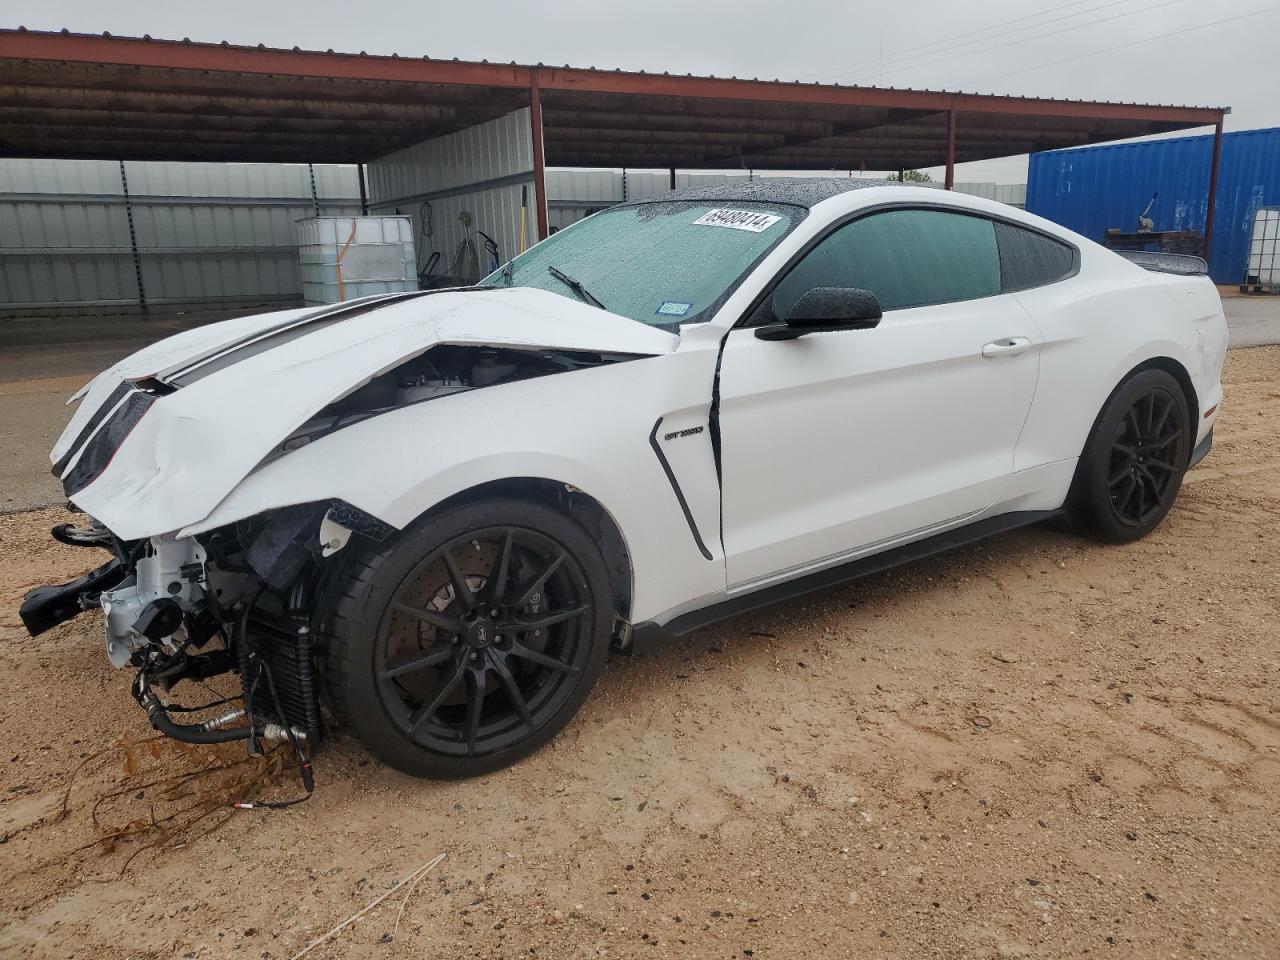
(825, 309)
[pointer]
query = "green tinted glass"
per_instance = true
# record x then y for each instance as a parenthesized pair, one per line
(907, 258)
(658, 263)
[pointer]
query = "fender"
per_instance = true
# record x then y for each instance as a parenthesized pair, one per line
(1146, 321)
(94, 394)
(179, 439)
(400, 464)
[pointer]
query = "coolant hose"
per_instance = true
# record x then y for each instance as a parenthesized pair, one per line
(187, 732)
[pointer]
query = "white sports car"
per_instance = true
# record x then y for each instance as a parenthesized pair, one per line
(429, 516)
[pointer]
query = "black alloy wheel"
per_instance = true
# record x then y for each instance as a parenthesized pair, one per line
(1144, 457)
(470, 639)
(1133, 463)
(482, 642)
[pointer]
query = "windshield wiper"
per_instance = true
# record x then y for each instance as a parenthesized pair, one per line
(506, 273)
(577, 287)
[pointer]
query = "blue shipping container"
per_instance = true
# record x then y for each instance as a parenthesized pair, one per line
(1092, 188)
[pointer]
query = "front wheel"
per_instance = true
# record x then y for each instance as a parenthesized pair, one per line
(470, 641)
(1135, 458)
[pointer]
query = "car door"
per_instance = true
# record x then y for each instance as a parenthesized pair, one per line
(839, 443)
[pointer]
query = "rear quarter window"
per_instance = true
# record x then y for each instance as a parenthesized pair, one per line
(1030, 259)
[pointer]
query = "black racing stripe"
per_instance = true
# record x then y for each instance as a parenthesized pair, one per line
(226, 356)
(192, 361)
(187, 364)
(238, 350)
(104, 444)
(675, 486)
(125, 387)
(103, 409)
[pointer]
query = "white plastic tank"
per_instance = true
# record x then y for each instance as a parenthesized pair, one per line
(1264, 248)
(344, 258)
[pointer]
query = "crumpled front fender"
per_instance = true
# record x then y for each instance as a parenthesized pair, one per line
(399, 465)
(201, 435)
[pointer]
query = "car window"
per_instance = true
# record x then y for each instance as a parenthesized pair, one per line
(662, 264)
(1030, 259)
(907, 258)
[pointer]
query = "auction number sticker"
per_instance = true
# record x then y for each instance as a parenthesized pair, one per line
(738, 220)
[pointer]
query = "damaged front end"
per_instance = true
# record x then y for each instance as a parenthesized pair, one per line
(203, 581)
(242, 597)
(236, 600)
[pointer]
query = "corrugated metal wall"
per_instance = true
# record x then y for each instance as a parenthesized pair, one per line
(207, 233)
(482, 170)
(573, 194)
(223, 234)
(1093, 188)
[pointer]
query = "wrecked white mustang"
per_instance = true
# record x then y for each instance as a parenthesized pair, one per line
(429, 516)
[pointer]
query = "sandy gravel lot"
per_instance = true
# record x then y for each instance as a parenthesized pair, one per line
(1039, 747)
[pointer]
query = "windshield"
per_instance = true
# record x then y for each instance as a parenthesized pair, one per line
(658, 263)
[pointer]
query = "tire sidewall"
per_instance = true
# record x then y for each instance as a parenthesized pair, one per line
(353, 628)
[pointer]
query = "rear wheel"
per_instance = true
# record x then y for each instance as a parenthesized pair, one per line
(472, 640)
(1134, 461)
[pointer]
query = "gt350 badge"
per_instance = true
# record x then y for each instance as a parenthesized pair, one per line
(689, 432)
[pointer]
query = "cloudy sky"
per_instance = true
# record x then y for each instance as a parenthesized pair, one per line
(1155, 51)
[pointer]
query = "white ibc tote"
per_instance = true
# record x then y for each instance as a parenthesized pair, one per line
(1264, 248)
(344, 258)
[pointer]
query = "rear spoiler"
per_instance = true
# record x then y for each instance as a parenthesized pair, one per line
(1180, 263)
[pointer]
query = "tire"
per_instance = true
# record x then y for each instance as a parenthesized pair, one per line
(1134, 460)
(430, 680)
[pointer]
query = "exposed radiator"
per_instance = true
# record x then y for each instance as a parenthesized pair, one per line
(273, 640)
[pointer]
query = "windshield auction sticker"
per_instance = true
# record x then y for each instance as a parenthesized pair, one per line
(738, 220)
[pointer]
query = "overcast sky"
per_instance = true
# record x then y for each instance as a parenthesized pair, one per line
(1156, 51)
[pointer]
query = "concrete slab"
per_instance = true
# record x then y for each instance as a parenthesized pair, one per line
(32, 414)
(1253, 321)
(63, 346)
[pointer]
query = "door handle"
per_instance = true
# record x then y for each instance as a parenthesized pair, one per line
(1006, 347)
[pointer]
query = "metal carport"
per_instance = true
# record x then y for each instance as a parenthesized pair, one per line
(102, 97)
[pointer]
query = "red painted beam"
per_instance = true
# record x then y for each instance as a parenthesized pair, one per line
(184, 55)
(951, 150)
(539, 157)
(662, 85)
(225, 58)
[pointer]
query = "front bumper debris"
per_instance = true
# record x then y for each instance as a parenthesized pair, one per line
(46, 607)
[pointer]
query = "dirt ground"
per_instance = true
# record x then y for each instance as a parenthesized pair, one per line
(1038, 747)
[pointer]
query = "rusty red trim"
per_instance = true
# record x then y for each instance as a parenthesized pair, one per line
(184, 55)
(951, 150)
(596, 81)
(539, 157)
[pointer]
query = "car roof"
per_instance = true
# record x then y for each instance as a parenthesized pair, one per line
(803, 192)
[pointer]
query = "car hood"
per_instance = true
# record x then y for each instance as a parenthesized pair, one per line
(163, 436)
